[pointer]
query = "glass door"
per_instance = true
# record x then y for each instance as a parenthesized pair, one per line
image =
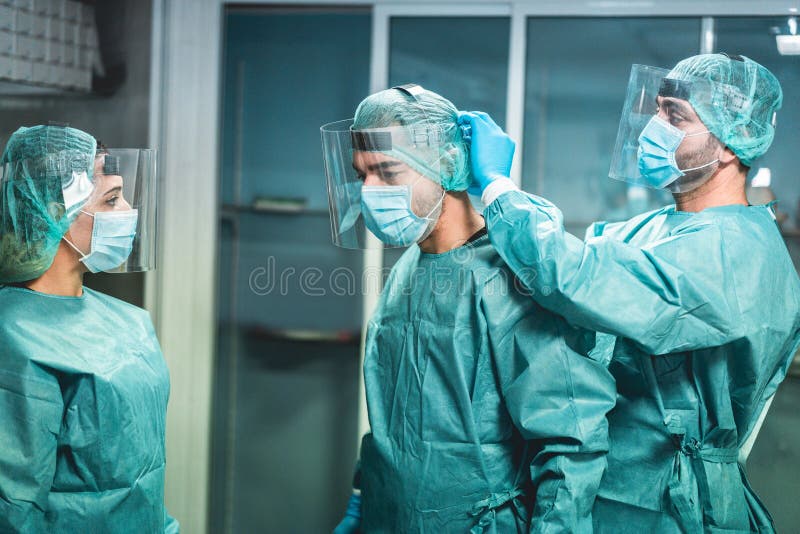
(289, 316)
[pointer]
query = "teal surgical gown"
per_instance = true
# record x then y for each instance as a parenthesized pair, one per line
(486, 413)
(83, 400)
(705, 308)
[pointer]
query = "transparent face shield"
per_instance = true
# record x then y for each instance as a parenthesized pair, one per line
(116, 229)
(384, 181)
(662, 143)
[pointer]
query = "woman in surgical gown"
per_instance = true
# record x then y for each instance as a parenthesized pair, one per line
(83, 383)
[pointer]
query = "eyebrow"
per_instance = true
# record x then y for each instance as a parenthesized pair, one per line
(674, 104)
(383, 165)
(113, 190)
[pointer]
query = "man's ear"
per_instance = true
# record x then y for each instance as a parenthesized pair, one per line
(727, 156)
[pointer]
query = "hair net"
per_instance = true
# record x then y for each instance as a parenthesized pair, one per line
(740, 103)
(393, 107)
(47, 177)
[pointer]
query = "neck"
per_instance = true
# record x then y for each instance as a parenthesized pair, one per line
(726, 187)
(458, 222)
(64, 277)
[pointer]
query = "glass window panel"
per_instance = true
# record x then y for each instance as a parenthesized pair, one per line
(576, 75)
(286, 74)
(442, 54)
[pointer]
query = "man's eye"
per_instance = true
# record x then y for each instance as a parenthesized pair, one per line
(112, 201)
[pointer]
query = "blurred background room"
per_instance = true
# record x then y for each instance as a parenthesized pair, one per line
(260, 316)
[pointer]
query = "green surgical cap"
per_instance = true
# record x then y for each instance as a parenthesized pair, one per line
(449, 166)
(40, 166)
(736, 98)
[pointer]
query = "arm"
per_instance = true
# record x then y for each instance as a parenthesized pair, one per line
(672, 295)
(558, 399)
(31, 410)
(646, 294)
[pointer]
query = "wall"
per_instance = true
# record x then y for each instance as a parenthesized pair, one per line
(119, 120)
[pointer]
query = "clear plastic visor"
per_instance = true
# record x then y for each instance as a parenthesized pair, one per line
(399, 156)
(125, 179)
(659, 152)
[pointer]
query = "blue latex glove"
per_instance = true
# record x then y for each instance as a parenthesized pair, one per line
(351, 524)
(492, 150)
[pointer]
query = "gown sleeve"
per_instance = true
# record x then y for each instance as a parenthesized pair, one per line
(675, 294)
(31, 409)
(558, 398)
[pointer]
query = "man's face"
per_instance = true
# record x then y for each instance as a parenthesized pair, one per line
(378, 169)
(693, 151)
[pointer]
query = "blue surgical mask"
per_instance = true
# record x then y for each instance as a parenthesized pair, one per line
(112, 239)
(658, 143)
(388, 214)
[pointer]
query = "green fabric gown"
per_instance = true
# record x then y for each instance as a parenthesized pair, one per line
(83, 400)
(706, 311)
(486, 413)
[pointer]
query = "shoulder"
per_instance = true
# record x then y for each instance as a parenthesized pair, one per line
(102, 299)
(117, 310)
(23, 341)
(504, 298)
(620, 230)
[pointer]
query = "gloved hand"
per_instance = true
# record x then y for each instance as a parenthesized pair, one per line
(351, 524)
(492, 150)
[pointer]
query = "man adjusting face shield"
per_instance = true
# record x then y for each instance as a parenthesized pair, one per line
(667, 153)
(686, 293)
(679, 128)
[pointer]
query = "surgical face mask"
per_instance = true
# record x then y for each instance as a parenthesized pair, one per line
(658, 143)
(112, 239)
(388, 214)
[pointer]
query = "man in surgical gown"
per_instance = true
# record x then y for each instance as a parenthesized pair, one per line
(83, 383)
(701, 296)
(487, 412)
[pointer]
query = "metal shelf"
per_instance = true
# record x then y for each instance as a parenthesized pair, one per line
(231, 210)
(300, 335)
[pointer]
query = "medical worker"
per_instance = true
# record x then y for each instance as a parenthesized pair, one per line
(83, 383)
(487, 412)
(701, 296)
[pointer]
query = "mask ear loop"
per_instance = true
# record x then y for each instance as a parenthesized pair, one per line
(70, 243)
(700, 166)
(76, 249)
(435, 207)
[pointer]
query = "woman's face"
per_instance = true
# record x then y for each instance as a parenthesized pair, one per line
(107, 196)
